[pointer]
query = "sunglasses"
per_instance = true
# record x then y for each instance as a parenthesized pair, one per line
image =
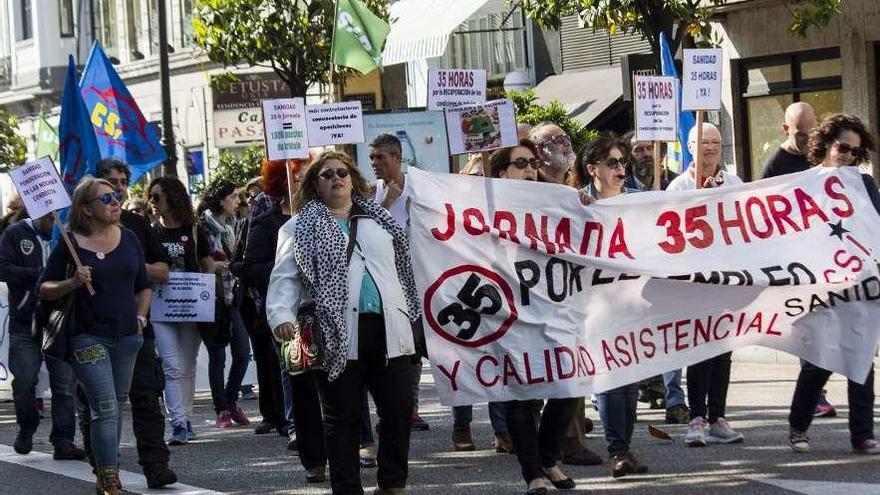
(616, 163)
(329, 173)
(109, 197)
(522, 163)
(855, 151)
(558, 139)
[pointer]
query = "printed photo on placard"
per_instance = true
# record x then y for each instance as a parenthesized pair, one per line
(478, 128)
(422, 137)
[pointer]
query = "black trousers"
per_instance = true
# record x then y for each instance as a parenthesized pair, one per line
(390, 384)
(861, 402)
(308, 421)
(147, 418)
(707, 384)
(271, 399)
(538, 445)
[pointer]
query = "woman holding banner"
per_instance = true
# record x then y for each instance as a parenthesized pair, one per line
(107, 326)
(537, 444)
(838, 141)
(335, 250)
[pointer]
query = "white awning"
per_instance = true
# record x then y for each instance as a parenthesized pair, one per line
(420, 29)
(585, 95)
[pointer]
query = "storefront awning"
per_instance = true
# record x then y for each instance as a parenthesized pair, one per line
(585, 95)
(420, 29)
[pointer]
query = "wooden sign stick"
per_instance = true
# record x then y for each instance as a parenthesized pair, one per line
(289, 183)
(70, 248)
(699, 150)
(487, 171)
(658, 167)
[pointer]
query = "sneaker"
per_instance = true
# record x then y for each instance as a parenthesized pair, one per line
(291, 441)
(721, 432)
(696, 435)
(238, 415)
(824, 409)
(798, 440)
(178, 435)
(224, 420)
(24, 443)
(419, 424)
(867, 447)
(68, 452)
(190, 432)
(678, 414)
(462, 440)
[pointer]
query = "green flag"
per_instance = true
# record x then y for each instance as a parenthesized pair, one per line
(47, 139)
(358, 36)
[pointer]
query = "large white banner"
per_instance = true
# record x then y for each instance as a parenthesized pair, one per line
(529, 294)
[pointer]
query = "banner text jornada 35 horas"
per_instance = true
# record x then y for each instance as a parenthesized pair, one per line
(530, 294)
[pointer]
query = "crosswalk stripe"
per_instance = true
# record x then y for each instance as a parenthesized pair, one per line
(810, 487)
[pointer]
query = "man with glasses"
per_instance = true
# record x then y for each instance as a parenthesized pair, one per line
(148, 421)
(554, 147)
(791, 156)
(712, 172)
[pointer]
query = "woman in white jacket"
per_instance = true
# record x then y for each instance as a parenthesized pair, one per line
(335, 251)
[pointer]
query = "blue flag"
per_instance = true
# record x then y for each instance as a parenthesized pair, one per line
(78, 147)
(686, 120)
(120, 127)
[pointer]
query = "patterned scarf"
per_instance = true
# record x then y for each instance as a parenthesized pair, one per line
(319, 249)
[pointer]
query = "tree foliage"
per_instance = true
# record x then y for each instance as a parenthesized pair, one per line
(13, 147)
(291, 37)
(238, 168)
(530, 112)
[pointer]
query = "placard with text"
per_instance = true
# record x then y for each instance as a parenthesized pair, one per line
(40, 187)
(449, 88)
(285, 122)
(701, 79)
(656, 108)
(483, 127)
(335, 123)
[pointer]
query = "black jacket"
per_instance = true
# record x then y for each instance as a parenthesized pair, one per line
(259, 257)
(21, 262)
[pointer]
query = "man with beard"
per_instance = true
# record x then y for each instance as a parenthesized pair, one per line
(790, 156)
(640, 173)
(554, 147)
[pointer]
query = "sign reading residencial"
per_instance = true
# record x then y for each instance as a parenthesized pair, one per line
(335, 123)
(484, 127)
(656, 108)
(701, 79)
(40, 187)
(185, 297)
(455, 87)
(285, 123)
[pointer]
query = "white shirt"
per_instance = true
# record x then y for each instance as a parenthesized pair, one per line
(398, 207)
(686, 182)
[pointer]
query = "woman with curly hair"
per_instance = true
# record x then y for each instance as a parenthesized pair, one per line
(840, 140)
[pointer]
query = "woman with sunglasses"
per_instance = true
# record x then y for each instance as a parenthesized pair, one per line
(600, 173)
(538, 444)
(840, 140)
(108, 325)
(189, 250)
(348, 255)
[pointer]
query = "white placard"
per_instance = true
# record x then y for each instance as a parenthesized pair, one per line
(449, 88)
(185, 297)
(656, 108)
(40, 187)
(701, 79)
(335, 123)
(483, 127)
(285, 123)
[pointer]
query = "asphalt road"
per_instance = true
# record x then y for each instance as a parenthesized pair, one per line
(237, 461)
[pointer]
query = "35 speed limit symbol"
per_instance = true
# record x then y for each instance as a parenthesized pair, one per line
(470, 306)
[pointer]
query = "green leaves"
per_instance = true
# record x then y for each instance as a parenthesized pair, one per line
(238, 168)
(13, 147)
(530, 112)
(816, 13)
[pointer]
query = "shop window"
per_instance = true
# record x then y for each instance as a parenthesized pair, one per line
(27, 28)
(65, 18)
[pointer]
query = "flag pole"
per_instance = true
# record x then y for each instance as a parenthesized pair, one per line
(657, 166)
(70, 248)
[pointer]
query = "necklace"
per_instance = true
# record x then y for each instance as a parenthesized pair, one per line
(100, 255)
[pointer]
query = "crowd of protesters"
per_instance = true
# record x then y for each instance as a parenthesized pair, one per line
(313, 235)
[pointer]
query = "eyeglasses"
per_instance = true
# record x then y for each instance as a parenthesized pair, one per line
(559, 139)
(329, 173)
(855, 151)
(108, 198)
(616, 163)
(155, 198)
(522, 163)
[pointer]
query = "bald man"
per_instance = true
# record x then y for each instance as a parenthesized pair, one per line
(554, 147)
(713, 174)
(791, 157)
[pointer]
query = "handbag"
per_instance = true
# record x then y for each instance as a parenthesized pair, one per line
(54, 322)
(306, 351)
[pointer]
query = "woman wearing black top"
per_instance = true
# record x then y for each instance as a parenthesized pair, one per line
(108, 324)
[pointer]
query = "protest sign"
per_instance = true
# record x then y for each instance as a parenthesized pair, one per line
(455, 87)
(285, 122)
(422, 138)
(483, 127)
(40, 187)
(529, 294)
(335, 123)
(185, 297)
(656, 108)
(701, 79)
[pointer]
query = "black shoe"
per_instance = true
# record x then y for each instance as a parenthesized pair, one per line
(585, 457)
(159, 475)
(23, 443)
(563, 484)
(283, 430)
(68, 452)
(678, 415)
(264, 427)
(316, 475)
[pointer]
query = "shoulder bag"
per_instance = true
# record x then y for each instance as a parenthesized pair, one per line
(55, 321)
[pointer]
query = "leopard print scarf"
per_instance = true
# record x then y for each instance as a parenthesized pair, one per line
(319, 246)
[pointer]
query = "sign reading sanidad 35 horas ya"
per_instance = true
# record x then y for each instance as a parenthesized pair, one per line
(529, 294)
(701, 79)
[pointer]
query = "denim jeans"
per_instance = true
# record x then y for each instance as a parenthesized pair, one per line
(463, 415)
(674, 392)
(617, 409)
(286, 393)
(104, 366)
(224, 391)
(25, 358)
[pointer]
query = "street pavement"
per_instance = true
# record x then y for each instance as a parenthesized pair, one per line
(236, 461)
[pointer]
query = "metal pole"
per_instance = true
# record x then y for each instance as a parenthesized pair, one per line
(170, 167)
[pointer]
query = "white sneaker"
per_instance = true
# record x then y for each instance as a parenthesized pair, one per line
(696, 435)
(721, 432)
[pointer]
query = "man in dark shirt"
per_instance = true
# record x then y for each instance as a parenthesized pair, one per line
(640, 172)
(791, 157)
(148, 421)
